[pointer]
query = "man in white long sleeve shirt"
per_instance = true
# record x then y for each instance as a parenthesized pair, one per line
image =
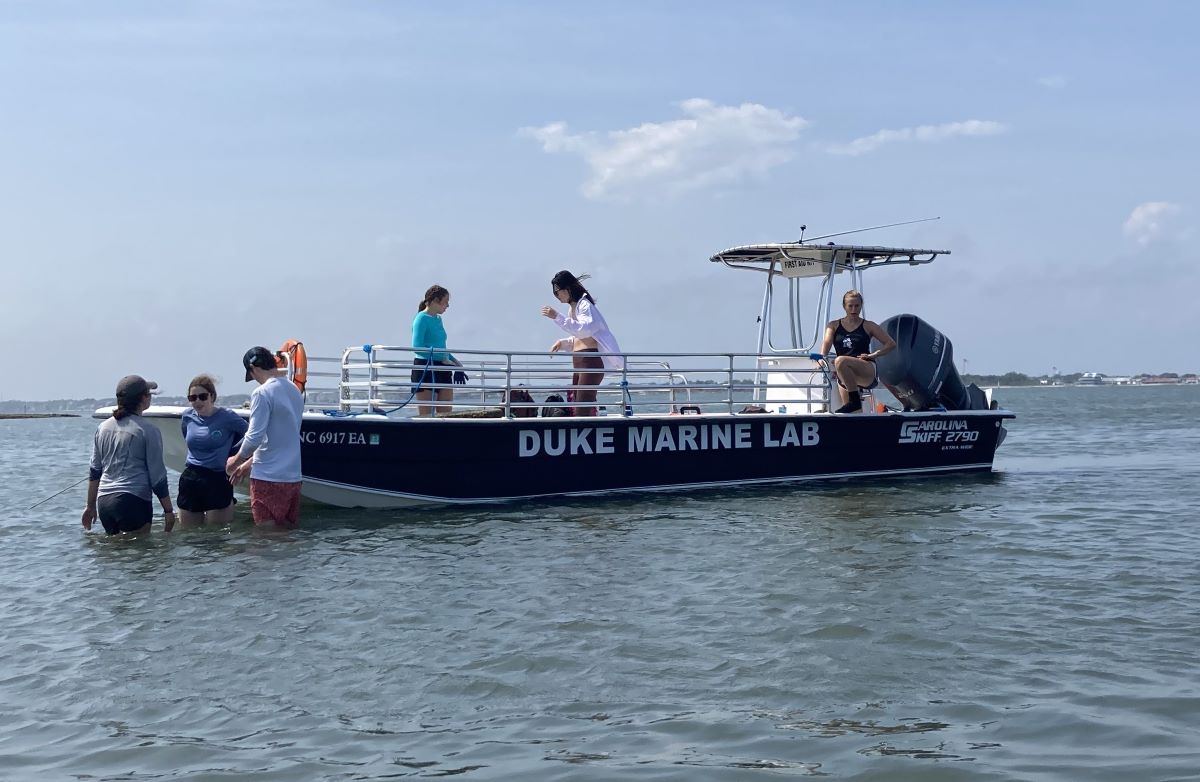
(270, 450)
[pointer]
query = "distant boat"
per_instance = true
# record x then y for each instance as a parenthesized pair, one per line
(1090, 379)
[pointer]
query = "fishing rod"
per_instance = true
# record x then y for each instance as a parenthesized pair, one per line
(55, 494)
(861, 230)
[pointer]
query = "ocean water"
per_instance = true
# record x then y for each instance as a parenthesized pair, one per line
(1038, 623)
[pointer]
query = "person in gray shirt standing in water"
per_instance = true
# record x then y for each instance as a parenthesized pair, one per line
(273, 440)
(127, 466)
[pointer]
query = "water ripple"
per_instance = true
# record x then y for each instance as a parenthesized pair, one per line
(1037, 623)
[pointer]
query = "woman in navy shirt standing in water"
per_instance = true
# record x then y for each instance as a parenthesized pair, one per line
(211, 434)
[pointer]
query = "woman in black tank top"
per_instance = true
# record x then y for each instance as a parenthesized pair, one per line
(851, 343)
(850, 338)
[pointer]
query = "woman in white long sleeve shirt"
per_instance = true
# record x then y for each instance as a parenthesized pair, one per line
(589, 334)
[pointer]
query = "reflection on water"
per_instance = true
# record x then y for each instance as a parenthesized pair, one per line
(1028, 624)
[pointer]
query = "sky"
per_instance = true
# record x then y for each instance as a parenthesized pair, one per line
(181, 181)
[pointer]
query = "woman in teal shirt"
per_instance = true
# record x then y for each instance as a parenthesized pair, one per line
(429, 339)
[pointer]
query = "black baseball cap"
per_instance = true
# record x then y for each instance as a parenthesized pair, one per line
(258, 357)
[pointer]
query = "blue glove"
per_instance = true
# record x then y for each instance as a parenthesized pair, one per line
(817, 356)
(460, 377)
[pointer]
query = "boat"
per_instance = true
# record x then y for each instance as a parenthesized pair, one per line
(1090, 379)
(665, 422)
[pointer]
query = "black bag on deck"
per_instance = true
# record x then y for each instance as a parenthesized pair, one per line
(519, 396)
(555, 407)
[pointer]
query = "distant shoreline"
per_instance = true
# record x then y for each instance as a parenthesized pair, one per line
(38, 415)
(1085, 385)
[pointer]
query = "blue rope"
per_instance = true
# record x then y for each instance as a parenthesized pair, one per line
(416, 388)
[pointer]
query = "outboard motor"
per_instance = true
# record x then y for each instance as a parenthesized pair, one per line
(920, 371)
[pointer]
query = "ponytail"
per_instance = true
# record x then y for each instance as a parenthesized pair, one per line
(434, 292)
(126, 407)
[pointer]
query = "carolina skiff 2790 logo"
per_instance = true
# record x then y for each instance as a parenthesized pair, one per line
(952, 430)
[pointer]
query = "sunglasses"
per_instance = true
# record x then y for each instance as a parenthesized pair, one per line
(198, 397)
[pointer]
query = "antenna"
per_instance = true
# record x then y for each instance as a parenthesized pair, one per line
(872, 228)
(803, 228)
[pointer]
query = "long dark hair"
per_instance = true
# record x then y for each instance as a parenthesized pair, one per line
(128, 406)
(435, 292)
(573, 285)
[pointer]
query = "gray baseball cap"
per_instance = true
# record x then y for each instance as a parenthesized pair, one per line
(134, 386)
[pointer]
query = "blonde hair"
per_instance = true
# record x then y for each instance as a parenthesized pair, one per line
(852, 292)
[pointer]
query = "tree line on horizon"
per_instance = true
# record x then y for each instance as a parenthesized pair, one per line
(1021, 379)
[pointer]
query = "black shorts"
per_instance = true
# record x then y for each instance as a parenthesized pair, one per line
(874, 381)
(202, 489)
(425, 377)
(123, 512)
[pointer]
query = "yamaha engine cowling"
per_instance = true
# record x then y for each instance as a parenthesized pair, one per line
(920, 371)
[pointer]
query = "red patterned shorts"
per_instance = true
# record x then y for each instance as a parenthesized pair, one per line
(275, 502)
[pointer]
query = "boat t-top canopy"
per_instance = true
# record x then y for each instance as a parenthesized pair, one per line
(796, 262)
(793, 259)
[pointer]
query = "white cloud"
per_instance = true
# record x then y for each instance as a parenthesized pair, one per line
(711, 145)
(926, 133)
(1055, 82)
(1150, 221)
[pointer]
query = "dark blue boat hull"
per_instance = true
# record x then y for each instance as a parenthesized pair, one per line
(402, 462)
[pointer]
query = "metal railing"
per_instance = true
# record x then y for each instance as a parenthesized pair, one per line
(381, 380)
